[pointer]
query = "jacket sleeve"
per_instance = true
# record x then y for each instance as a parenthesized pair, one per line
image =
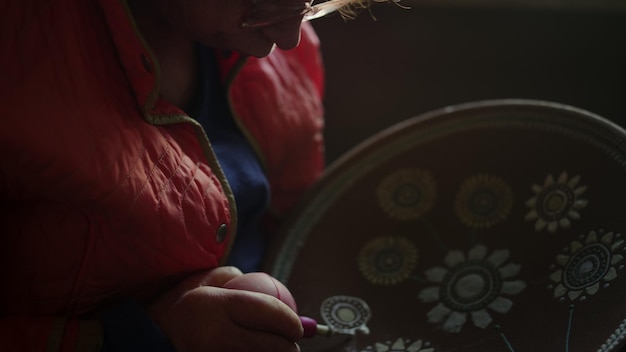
(23, 333)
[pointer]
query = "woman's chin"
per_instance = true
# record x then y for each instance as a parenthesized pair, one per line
(261, 52)
(257, 48)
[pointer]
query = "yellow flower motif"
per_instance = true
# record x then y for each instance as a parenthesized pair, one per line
(470, 285)
(556, 202)
(587, 265)
(483, 201)
(387, 260)
(400, 345)
(406, 194)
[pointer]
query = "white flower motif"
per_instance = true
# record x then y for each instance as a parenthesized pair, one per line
(556, 202)
(471, 285)
(400, 345)
(346, 314)
(587, 265)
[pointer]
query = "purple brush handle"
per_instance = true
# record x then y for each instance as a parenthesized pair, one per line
(310, 327)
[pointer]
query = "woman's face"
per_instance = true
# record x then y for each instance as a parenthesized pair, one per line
(220, 23)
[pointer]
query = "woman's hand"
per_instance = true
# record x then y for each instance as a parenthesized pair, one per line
(200, 315)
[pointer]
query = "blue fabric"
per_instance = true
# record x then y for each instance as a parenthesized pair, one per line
(239, 162)
(127, 327)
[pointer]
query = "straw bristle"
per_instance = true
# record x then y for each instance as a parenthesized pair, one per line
(351, 8)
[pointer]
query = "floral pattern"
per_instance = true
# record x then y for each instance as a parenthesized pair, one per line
(556, 203)
(387, 260)
(471, 285)
(614, 340)
(400, 345)
(346, 314)
(483, 201)
(406, 194)
(587, 265)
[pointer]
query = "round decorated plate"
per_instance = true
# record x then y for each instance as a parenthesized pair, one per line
(490, 226)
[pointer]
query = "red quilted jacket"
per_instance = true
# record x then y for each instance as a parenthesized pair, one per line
(106, 190)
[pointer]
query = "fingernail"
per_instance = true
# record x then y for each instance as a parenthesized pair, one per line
(233, 270)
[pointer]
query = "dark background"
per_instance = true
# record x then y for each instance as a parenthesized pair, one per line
(406, 62)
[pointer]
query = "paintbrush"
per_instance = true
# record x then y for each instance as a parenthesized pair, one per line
(267, 12)
(312, 329)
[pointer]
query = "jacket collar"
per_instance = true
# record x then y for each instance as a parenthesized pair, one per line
(143, 74)
(142, 69)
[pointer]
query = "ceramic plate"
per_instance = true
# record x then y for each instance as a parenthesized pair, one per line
(491, 226)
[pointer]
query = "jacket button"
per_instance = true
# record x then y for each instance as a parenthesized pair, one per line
(222, 233)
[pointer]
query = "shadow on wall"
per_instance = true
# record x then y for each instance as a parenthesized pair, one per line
(407, 62)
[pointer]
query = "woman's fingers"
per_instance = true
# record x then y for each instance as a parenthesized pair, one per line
(264, 313)
(258, 341)
(220, 275)
(199, 314)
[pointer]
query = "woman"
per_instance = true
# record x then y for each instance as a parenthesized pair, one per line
(134, 134)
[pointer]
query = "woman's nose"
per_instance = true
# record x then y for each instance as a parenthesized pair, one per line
(268, 12)
(285, 34)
